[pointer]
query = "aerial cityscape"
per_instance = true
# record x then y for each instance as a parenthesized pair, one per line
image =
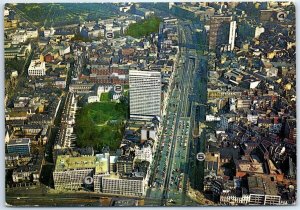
(150, 104)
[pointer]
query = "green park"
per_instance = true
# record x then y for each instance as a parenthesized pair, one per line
(101, 124)
(144, 27)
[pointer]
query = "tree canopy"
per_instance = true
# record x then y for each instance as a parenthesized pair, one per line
(144, 27)
(101, 124)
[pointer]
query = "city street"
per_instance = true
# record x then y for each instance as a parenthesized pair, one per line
(170, 169)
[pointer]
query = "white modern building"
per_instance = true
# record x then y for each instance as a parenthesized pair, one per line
(6, 12)
(211, 118)
(229, 198)
(258, 31)
(232, 35)
(19, 37)
(93, 99)
(252, 118)
(32, 33)
(37, 68)
(49, 33)
(117, 185)
(144, 153)
(144, 94)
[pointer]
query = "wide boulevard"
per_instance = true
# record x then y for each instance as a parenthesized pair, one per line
(169, 178)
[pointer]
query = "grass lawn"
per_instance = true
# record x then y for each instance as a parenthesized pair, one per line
(106, 111)
(144, 27)
(105, 97)
(101, 124)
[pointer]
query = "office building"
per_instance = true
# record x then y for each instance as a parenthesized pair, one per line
(130, 186)
(222, 33)
(70, 172)
(232, 198)
(144, 153)
(145, 94)
(133, 184)
(125, 164)
(262, 191)
(19, 146)
(232, 35)
(37, 68)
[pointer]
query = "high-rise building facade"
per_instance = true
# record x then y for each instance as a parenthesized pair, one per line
(232, 35)
(222, 33)
(144, 94)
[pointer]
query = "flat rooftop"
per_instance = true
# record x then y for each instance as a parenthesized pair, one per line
(262, 185)
(20, 141)
(66, 162)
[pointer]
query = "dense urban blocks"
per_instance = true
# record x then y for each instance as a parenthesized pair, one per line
(211, 88)
(143, 28)
(101, 124)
